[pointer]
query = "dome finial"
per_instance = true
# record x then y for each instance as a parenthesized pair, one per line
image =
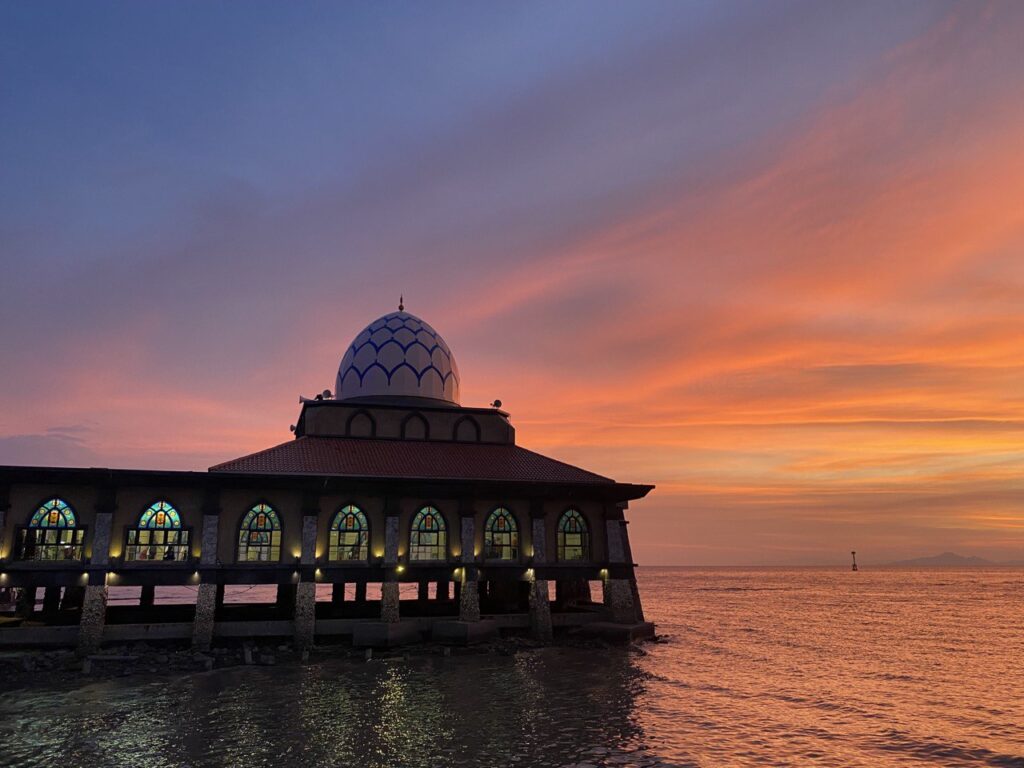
(401, 302)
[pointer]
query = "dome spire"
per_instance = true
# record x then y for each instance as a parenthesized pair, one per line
(401, 303)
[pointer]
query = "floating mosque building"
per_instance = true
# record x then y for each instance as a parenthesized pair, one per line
(395, 513)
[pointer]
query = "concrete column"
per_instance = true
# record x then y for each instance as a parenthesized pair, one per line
(206, 598)
(389, 603)
(305, 593)
(540, 611)
(389, 611)
(618, 598)
(391, 540)
(338, 593)
(148, 596)
(469, 600)
(94, 602)
(443, 593)
(101, 538)
(614, 532)
(205, 619)
(360, 592)
(540, 540)
(423, 591)
(620, 595)
(468, 537)
(94, 616)
(305, 615)
(469, 595)
(540, 606)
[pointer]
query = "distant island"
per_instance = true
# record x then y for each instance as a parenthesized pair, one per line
(945, 559)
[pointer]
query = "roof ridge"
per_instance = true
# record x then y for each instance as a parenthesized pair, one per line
(382, 457)
(256, 453)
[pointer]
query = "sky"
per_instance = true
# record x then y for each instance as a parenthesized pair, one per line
(766, 256)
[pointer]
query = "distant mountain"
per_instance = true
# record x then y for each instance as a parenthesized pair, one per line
(946, 559)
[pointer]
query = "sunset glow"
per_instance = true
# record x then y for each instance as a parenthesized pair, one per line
(786, 286)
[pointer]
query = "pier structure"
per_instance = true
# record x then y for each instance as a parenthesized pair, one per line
(394, 514)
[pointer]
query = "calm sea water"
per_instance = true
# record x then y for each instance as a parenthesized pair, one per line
(762, 667)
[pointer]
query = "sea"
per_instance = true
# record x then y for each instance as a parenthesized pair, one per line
(756, 667)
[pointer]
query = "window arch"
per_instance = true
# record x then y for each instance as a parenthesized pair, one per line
(466, 430)
(573, 537)
(158, 535)
(52, 533)
(501, 536)
(259, 535)
(349, 537)
(361, 424)
(428, 536)
(415, 427)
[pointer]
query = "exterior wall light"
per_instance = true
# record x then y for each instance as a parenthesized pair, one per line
(400, 569)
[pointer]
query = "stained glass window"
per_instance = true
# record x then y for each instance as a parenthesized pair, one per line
(349, 535)
(52, 534)
(158, 536)
(573, 537)
(160, 514)
(259, 536)
(428, 537)
(501, 536)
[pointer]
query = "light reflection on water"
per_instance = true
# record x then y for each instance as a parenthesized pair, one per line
(792, 667)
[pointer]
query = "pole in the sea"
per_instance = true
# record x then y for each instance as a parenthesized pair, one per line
(854, 561)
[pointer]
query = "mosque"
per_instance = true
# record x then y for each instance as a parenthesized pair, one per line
(394, 514)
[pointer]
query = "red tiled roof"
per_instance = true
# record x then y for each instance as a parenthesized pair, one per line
(410, 459)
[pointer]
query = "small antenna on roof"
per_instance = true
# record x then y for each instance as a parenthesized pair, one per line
(401, 302)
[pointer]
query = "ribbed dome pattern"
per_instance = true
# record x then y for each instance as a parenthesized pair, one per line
(398, 355)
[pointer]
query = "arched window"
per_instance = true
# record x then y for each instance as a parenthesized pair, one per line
(415, 427)
(259, 536)
(573, 537)
(158, 536)
(51, 534)
(428, 537)
(501, 536)
(466, 430)
(349, 535)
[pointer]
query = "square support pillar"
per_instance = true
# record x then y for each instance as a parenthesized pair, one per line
(309, 532)
(620, 595)
(305, 592)
(206, 598)
(618, 599)
(469, 595)
(206, 611)
(540, 540)
(3, 522)
(391, 540)
(540, 611)
(305, 615)
(468, 537)
(94, 617)
(389, 605)
(94, 603)
(540, 605)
